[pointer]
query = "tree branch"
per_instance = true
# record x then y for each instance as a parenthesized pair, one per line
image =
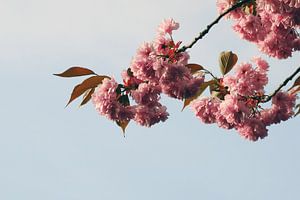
(269, 97)
(204, 32)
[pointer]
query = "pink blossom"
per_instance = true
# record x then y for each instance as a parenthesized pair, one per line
(292, 3)
(142, 64)
(178, 82)
(261, 64)
(167, 27)
(252, 129)
(284, 100)
(223, 5)
(250, 28)
(279, 43)
(233, 110)
(273, 28)
(281, 110)
(105, 100)
(148, 116)
(143, 69)
(206, 108)
(222, 122)
(248, 81)
(146, 94)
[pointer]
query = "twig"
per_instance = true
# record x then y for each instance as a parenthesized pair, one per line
(212, 75)
(204, 32)
(269, 97)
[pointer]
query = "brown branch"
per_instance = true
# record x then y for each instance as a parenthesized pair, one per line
(204, 32)
(269, 97)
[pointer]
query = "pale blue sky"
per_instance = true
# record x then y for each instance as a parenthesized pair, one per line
(48, 152)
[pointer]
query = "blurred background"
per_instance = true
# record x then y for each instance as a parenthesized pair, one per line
(51, 152)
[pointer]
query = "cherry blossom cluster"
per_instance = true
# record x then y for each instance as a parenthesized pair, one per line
(156, 68)
(238, 102)
(271, 24)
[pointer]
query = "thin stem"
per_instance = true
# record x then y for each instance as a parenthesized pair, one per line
(269, 97)
(208, 72)
(204, 32)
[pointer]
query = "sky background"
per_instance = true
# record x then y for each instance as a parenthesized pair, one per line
(48, 152)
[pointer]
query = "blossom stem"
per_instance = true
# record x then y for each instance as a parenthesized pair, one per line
(269, 97)
(212, 75)
(205, 31)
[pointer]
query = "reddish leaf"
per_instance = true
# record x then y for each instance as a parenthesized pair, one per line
(227, 60)
(123, 125)
(75, 71)
(296, 83)
(194, 68)
(201, 89)
(295, 90)
(87, 84)
(297, 113)
(87, 97)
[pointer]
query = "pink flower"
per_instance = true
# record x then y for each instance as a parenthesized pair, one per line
(248, 81)
(148, 116)
(273, 28)
(292, 3)
(269, 116)
(146, 94)
(105, 100)
(223, 5)
(206, 109)
(281, 110)
(279, 43)
(284, 100)
(167, 27)
(178, 82)
(261, 64)
(252, 129)
(143, 69)
(250, 28)
(222, 122)
(233, 110)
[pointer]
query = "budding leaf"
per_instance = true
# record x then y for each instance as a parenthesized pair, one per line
(75, 71)
(194, 68)
(295, 90)
(227, 60)
(297, 113)
(216, 90)
(296, 83)
(87, 84)
(201, 89)
(87, 96)
(250, 8)
(123, 125)
(124, 100)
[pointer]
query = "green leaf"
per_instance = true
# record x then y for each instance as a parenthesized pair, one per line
(124, 100)
(227, 60)
(201, 89)
(194, 68)
(75, 71)
(87, 84)
(119, 89)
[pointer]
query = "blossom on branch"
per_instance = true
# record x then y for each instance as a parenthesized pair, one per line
(272, 25)
(237, 100)
(241, 107)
